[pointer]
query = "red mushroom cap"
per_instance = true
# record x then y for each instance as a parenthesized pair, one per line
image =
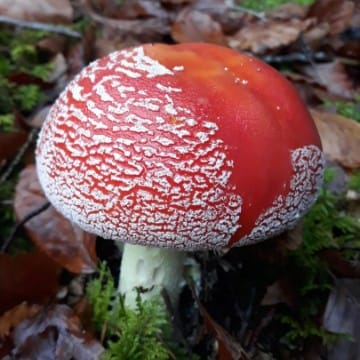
(189, 146)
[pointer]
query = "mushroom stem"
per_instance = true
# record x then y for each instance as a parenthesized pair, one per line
(150, 270)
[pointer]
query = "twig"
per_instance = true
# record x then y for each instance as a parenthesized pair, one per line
(39, 26)
(232, 346)
(259, 15)
(245, 317)
(297, 56)
(19, 155)
(175, 322)
(21, 222)
(264, 322)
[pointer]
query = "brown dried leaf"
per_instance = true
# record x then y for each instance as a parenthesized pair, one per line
(53, 11)
(337, 13)
(53, 44)
(39, 117)
(314, 37)
(281, 291)
(129, 9)
(15, 316)
(58, 67)
(338, 265)
(355, 20)
(229, 348)
(55, 332)
(146, 28)
(333, 77)
(31, 277)
(342, 315)
(340, 138)
(176, 2)
(287, 11)
(63, 241)
(265, 35)
(196, 26)
(228, 16)
(10, 145)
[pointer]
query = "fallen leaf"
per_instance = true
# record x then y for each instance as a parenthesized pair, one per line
(15, 316)
(58, 68)
(262, 36)
(340, 138)
(54, 333)
(10, 142)
(31, 277)
(53, 11)
(53, 44)
(63, 241)
(338, 265)
(223, 12)
(129, 9)
(229, 348)
(196, 26)
(315, 36)
(39, 117)
(281, 291)
(176, 2)
(337, 13)
(134, 27)
(332, 76)
(287, 11)
(342, 315)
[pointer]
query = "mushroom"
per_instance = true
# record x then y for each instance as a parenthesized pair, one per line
(173, 148)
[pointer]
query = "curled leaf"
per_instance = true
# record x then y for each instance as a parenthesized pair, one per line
(37, 10)
(340, 138)
(193, 25)
(63, 241)
(262, 36)
(54, 333)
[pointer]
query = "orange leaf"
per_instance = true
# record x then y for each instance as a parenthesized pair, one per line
(15, 316)
(31, 277)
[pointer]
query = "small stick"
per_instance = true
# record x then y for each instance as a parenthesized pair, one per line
(19, 155)
(20, 223)
(39, 26)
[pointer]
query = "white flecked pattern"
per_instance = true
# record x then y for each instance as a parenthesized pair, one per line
(308, 164)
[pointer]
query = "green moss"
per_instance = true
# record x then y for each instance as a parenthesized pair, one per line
(326, 226)
(19, 243)
(354, 181)
(7, 122)
(27, 96)
(143, 333)
(20, 55)
(265, 5)
(349, 109)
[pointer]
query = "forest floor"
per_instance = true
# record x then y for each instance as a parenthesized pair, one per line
(295, 296)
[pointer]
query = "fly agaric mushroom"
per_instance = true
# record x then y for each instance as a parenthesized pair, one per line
(179, 147)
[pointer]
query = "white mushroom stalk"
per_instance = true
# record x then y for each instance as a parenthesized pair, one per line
(148, 270)
(155, 147)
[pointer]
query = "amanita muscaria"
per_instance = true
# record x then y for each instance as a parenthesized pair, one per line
(179, 147)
